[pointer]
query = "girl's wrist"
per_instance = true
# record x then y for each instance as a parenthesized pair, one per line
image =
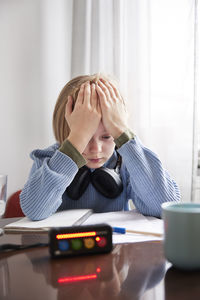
(68, 149)
(79, 141)
(126, 136)
(118, 132)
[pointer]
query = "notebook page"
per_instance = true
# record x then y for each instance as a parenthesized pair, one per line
(59, 219)
(130, 220)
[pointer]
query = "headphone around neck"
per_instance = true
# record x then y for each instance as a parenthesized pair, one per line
(106, 181)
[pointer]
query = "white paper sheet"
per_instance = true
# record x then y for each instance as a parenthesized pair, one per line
(130, 220)
(59, 219)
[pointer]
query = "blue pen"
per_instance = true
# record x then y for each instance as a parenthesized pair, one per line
(119, 230)
(124, 231)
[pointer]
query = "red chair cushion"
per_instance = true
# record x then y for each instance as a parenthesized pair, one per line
(13, 208)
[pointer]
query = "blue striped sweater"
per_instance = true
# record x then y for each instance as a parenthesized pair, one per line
(145, 182)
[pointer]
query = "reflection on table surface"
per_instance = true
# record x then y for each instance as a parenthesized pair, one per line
(110, 276)
(131, 271)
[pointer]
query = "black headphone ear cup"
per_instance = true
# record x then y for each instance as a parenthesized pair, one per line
(79, 184)
(107, 181)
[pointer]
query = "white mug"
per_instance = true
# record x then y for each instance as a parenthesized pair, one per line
(182, 234)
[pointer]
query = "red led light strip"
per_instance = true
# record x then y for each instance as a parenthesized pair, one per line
(75, 235)
(76, 278)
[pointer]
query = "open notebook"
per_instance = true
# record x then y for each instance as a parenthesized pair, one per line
(127, 219)
(59, 219)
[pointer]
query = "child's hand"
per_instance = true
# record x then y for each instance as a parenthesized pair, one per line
(114, 115)
(84, 119)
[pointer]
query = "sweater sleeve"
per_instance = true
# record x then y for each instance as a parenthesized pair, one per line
(68, 149)
(149, 185)
(51, 173)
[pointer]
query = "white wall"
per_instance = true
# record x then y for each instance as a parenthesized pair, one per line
(30, 80)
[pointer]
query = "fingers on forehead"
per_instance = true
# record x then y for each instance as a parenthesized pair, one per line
(104, 86)
(81, 94)
(116, 91)
(87, 88)
(111, 88)
(81, 88)
(108, 84)
(93, 87)
(93, 90)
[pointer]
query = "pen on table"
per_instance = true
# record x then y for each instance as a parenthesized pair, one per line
(124, 231)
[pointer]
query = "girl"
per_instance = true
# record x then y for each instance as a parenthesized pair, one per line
(97, 162)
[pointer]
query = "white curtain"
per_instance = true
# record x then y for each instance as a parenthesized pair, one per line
(148, 45)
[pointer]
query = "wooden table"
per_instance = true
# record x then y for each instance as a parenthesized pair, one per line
(131, 271)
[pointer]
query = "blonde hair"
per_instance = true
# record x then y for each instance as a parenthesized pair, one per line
(60, 126)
